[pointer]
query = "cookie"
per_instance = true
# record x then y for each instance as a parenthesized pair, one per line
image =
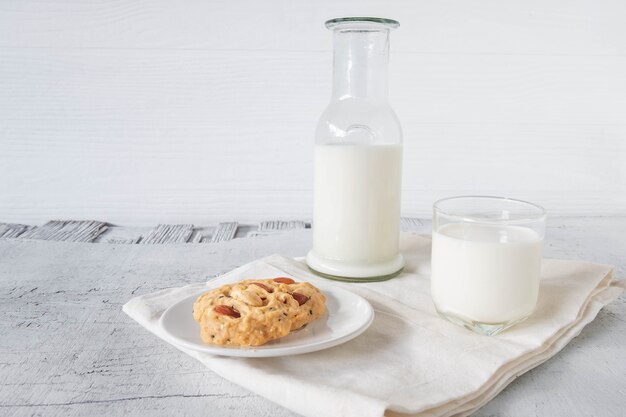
(253, 312)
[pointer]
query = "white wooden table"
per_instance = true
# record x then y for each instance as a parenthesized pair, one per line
(67, 349)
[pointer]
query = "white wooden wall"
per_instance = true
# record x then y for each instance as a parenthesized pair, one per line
(146, 111)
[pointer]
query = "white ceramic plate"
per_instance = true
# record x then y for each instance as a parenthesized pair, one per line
(348, 315)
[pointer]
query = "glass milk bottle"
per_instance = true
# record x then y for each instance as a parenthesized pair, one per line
(358, 160)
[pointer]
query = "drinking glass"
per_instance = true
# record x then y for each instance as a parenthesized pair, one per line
(486, 260)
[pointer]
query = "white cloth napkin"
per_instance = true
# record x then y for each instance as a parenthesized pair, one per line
(410, 361)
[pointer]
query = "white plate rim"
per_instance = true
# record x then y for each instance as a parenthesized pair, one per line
(266, 352)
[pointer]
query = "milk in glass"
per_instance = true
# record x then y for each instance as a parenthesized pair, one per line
(485, 273)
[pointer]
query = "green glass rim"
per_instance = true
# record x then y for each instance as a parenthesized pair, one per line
(340, 21)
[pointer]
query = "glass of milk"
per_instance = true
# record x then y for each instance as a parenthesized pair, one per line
(486, 260)
(358, 160)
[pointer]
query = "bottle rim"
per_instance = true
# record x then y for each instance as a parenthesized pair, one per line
(361, 21)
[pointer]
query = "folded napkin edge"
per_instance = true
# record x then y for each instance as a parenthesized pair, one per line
(521, 365)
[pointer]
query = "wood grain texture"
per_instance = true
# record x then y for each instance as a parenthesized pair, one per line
(67, 348)
(168, 233)
(140, 112)
(99, 232)
(65, 230)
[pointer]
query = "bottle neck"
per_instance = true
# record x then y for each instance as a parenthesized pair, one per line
(360, 64)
